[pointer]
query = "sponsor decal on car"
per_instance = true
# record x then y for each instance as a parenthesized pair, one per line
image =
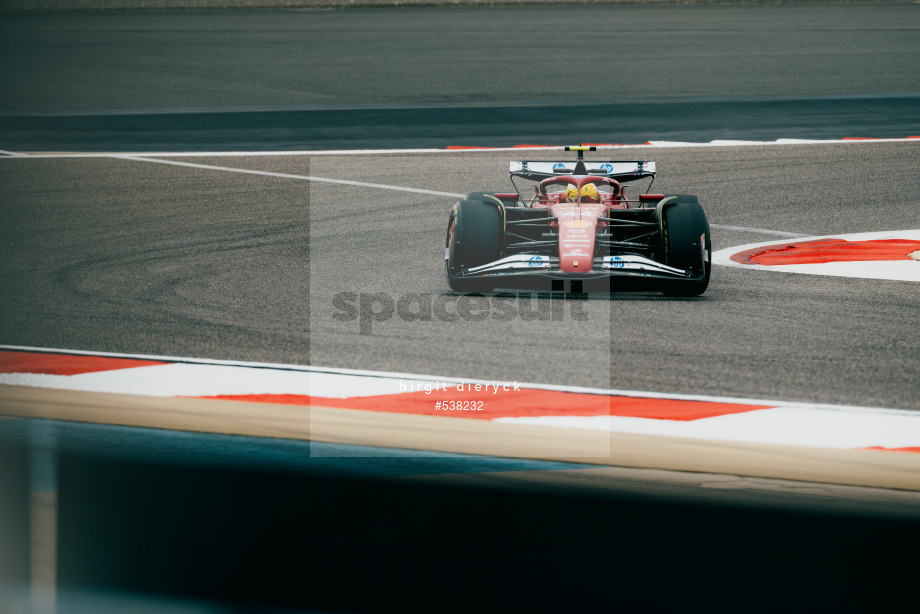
(616, 262)
(536, 261)
(576, 224)
(559, 166)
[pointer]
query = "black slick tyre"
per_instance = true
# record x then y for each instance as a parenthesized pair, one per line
(686, 243)
(485, 197)
(474, 235)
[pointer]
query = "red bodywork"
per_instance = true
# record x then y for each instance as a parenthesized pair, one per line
(577, 222)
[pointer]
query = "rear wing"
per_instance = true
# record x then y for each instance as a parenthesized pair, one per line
(621, 171)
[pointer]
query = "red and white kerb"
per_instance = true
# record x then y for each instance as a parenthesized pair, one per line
(688, 416)
(891, 255)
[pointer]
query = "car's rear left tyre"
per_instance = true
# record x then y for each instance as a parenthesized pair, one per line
(474, 236)
(686, 243)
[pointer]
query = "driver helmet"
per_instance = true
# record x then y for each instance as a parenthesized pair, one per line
(571, 193)
(588, 193)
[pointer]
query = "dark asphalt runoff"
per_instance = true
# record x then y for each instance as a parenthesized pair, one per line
(429, 77)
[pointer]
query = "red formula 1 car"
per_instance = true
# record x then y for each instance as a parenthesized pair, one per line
(578, 224)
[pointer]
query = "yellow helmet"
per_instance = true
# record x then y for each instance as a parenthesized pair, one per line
(589, 190)
(571, 193)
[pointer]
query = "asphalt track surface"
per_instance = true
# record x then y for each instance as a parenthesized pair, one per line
(379, 78)
(132, 255)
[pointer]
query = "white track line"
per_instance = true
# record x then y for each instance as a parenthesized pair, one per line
(782, 142)
(288, 176)
(156, 158)
(761, 231)
(375, 185)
